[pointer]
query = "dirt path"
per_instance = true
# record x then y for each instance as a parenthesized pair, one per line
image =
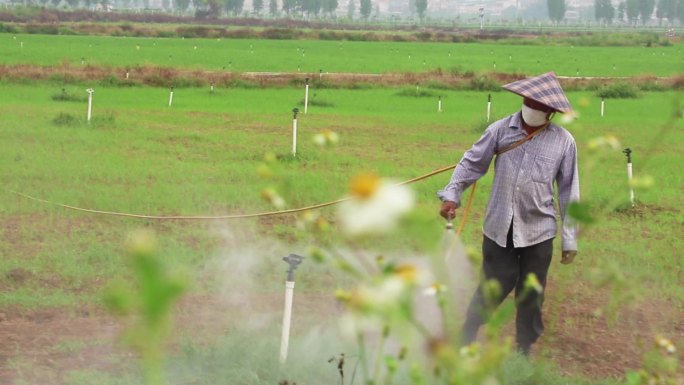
(167, 76)
(45, 346)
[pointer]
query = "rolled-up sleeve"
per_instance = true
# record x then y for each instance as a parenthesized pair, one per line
(567, 181)
(472, 166)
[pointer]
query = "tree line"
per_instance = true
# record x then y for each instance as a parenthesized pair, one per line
(216, 8)
(631, 11)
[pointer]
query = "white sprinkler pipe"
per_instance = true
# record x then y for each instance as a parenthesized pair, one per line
(171, 97)
(287, 317)
(293, 260)
(306, 96)
(294, 131)
(603, 106)
(439, 104)
(628, 153)
(489, 106)
(90, 103)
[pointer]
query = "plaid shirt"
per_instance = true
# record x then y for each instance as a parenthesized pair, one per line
(523, 182)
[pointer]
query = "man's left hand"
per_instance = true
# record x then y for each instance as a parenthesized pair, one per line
(568, 256)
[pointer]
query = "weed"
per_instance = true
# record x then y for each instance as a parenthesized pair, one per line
(484, 83)
(416, 93)
(618, 91)
(64, 119)
(65, 96)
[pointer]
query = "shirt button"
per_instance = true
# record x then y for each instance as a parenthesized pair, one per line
(517, 188)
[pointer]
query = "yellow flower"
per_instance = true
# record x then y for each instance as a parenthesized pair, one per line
(666, 344)
(531, 282)
(434, 289)
(141, 242)
(376, 207)
(409, 273)
(365, 185)
(326, 137)
(271, 195)
(264, 171)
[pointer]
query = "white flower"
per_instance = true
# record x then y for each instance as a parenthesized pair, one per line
(376, 206)
(434, 289)
(642, 182)
(606, 141)
(272, 196)
(569, 117)
(666, 344)
(326, 137)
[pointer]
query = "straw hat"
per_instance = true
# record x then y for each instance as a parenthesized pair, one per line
(544, 89)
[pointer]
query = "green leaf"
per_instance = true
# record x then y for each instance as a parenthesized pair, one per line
(581, 212)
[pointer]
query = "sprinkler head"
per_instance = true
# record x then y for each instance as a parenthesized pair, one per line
(293, 260)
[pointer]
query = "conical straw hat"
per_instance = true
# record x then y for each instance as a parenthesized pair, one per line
(544, 89)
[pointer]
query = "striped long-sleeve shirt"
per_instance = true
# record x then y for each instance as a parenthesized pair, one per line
(522, 192)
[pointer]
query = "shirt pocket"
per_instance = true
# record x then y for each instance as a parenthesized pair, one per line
(543, 169)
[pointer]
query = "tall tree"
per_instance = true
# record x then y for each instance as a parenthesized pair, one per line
(330, 6)
(273, 7)
(234, 7)
(421, 7)
(311, 7)
(667, 9)
(604, 11)
(350, 9)
(646, 10)
(680, 11)
(632, 10)
(289, 6)
(257, 6)
(556, 10)
(621, 11)
(181, 5)
(365, 8)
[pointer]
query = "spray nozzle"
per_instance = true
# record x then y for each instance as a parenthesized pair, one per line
(293, 260)
(449, 224)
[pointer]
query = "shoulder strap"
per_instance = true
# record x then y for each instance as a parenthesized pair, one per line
(521, 141)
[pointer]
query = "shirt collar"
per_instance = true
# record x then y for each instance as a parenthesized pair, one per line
(516, 120)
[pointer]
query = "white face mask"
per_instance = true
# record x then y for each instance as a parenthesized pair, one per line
(533, 118)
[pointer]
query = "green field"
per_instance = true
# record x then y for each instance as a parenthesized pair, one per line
(206, 154)
(359, 57)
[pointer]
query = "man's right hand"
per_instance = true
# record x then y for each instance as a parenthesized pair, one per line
(448, 210)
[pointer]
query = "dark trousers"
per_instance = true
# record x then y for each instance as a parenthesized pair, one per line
(510, 266)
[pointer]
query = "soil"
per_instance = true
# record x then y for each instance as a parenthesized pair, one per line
(44, 346)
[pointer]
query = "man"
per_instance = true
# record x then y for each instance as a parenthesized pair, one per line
(520, 221)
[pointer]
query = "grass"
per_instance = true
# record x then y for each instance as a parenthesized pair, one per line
(313, 56)
(200, 157)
